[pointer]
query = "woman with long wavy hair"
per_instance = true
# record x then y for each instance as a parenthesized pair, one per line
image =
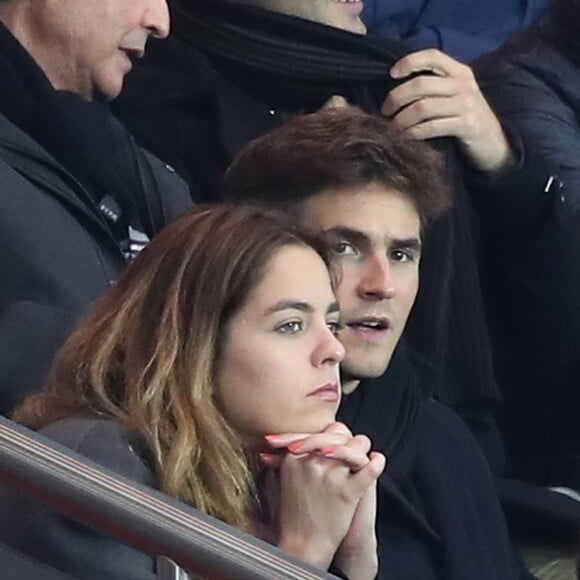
(218, 343)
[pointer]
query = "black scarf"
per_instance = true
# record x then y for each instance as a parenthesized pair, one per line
(386, 409)
(562, 27)
(286, 61)
(84, 138)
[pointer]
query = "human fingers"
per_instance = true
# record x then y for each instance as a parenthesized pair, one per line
(427, 110)
(337, 432)
(317, 442)
(361, 443)
(314, 469)
(418, 88)
(353, 458)
(338, 427)
(281, 440)
(369, 473)
(273, 460)
(433, 128)
(423, 110)
(429, 59)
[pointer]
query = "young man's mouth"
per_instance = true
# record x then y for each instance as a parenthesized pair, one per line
(370, 326)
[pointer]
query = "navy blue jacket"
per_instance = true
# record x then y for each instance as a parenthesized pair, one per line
(531, 251)
(439, 516)
(464, 29)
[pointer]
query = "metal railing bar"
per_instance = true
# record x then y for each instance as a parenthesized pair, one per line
(143, 517)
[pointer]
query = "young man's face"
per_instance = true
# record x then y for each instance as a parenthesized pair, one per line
(375, 236)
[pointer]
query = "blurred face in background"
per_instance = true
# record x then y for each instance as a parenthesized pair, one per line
(344, 14)
(88, 46)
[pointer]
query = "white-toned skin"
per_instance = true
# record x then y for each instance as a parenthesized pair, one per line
(375, 236)
(344, 15)
(350, 539)
(273, 360)
(275, 355)
(448, 103)
(86, 46)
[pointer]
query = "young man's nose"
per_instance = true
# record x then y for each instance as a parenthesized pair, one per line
(377, 281)
(156, 18)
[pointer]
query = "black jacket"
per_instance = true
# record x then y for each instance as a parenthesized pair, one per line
(531, 252)
(439, 516)
(58, 255)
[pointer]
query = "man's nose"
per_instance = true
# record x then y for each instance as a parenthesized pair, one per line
(156, 19)
(377, 281)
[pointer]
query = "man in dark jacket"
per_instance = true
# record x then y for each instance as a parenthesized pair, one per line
(343, 174)
(78, 196)
(533, 83)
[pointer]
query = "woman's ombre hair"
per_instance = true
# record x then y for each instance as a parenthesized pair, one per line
(147, 353)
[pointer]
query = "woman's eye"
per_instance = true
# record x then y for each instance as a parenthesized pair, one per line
(334, 326)
(344, 249)
(291, 327)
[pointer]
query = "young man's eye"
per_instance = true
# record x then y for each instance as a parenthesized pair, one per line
(402, 256)
(290, 327)
(344, 249)
(334, 326)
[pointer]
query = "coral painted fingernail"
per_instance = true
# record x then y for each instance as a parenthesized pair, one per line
(272, 438)
(327, 452)
(266, 456)
(294, 447)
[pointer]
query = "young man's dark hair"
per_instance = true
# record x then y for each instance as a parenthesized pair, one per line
(338, 148)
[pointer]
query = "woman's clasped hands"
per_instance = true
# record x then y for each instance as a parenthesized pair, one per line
(328, 498)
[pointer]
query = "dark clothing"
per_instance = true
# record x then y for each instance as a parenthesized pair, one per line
(15, 566)
(531, 250)
(59, 247)
(463, 29)
(51, 538)
(438, 512)
(59, 541)
(535, 86)
(228, 75)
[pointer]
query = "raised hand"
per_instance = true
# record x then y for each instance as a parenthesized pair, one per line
(447, 102)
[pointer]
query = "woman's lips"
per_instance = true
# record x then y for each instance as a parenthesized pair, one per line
(328, 392)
